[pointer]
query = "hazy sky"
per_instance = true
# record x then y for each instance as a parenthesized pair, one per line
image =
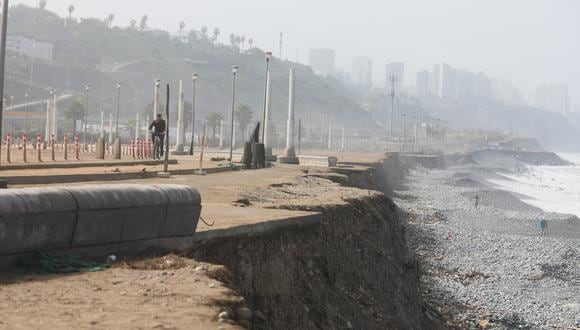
(529, 42)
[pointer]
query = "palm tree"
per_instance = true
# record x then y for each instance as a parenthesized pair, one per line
(244, 116)
(233, 41)
(243, 39)
(42, 4)
(238, 41)
(143, 22)
(109, 20)
(133, 24)
(204, 30)
(250, 42)
(71, 9)
(181, 29)
(216, 33)
(213, 120)
(75, 112)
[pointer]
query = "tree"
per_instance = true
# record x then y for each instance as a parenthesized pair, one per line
(143, 22)
(238, 40)
(216, 33)
(71, 9)
(204, 30)
(75, 112)
(109, 20)
(243, 39)
(42, 4)
(213, 121)
(192, 37)
(133, 24)
(250, 42)
(181, 29)
(244, 116)
(233, 41)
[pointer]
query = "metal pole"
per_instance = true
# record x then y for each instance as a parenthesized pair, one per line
(393, 80)
(268, 55)
(166, 159)
(25, 112)
(194, 77)
(2, 64)
(156, 98)
(118, 106)
(234, 71)
(87, 87)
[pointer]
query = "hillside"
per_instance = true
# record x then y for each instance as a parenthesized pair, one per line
(88, 51)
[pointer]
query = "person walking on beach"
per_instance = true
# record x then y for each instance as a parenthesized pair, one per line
(543, 227)
(477, 201)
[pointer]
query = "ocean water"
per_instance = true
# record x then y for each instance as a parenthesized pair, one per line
(551, 188)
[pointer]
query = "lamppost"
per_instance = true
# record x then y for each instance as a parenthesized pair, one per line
(156, 98)
(87, 88)
(118, 106)
(393, 80)
(48, 116)
(268, 56)
(194, 78)
(2, 61)
(234, 72)
(26, 112)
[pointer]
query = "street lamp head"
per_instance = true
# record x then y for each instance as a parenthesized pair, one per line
(157, 82)
(118, 85)
(51, 91)
(268, 55)
(194, 76)
(234, 69)
(87, 87)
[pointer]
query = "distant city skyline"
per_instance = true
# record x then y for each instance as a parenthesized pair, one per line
(528, 42)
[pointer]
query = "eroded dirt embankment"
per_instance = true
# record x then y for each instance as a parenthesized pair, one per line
(352, 271)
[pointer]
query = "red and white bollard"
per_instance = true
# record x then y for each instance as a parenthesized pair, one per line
(53, 145)
(24, 148)
(39, 147)
(77, 147)
(66, 147)
(8, 146)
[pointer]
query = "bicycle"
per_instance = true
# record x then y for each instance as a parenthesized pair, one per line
(157, 146)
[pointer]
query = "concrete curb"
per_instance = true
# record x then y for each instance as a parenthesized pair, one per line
(64, 178)
(104, 163)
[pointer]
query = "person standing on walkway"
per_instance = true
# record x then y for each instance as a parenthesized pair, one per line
(477, 201)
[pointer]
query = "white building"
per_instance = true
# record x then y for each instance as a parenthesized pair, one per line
(446, 84)
(553, 97)
(396, 69)
(30, 47)
(423, 83)
(362, 72)
(322, 61)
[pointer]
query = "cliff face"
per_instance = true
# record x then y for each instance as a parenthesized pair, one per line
(352, 271)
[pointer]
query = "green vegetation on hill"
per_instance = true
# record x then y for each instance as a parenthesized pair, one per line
(91, 51)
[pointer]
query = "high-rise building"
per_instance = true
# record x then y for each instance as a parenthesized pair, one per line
(322, 61)
(553, 97)
(504, 91)
(423, 83)
(447, 81)
(362, 72)
(396, 69)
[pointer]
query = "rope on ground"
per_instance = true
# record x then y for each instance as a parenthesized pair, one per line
(207, 224)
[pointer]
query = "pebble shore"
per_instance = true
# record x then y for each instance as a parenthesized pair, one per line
(489, 268)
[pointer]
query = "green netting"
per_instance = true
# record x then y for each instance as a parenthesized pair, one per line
(42, 263)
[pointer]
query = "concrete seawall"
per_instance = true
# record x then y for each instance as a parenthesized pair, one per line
(47, 219)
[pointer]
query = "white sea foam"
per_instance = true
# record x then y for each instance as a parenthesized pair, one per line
(551, 188)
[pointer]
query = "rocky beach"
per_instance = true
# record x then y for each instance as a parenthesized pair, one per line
(489, 267)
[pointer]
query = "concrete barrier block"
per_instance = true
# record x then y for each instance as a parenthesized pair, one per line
(36, 219)
(183, 211)
(318, 161)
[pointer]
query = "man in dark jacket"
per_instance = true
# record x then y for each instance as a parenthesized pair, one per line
(159, 126)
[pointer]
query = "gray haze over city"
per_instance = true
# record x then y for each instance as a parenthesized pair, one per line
(529, 43)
